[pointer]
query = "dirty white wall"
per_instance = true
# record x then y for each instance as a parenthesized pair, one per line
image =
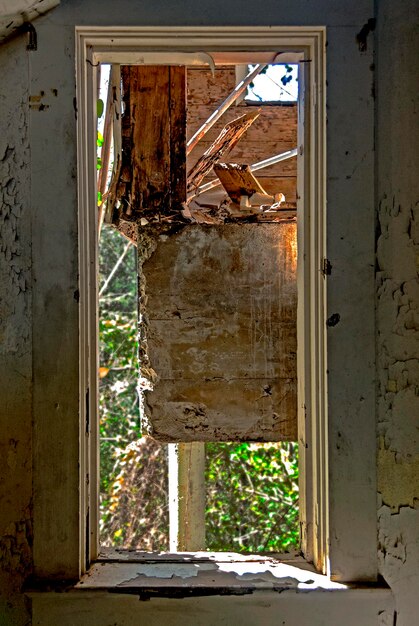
(39, 265)
(397, 201)
(15, 334)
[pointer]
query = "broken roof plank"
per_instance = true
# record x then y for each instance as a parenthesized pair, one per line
(253, 168)
(225, 142)
(238, 180)
(215, 116)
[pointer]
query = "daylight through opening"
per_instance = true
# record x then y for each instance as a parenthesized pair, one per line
(197, 199)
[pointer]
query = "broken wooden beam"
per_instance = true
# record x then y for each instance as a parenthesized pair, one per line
(253, 168)
(225, 142)
(236, 93)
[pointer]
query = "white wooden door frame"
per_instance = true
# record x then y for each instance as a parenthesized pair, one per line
(129, 44)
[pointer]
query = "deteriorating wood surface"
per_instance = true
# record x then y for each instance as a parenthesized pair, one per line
(274, 131)
(152, 181)
(237, 180)
(226, 140)
(218, 309)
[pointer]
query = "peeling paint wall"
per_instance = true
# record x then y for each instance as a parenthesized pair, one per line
(397, 166)
(15, 336)
(38, 186)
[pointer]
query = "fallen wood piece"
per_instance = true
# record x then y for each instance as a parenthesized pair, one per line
(253, 168)
(225, 142)
(238, 181)
(214, 117)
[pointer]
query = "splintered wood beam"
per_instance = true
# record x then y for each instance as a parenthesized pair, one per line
(253, 168)
(152, 181)
(225, 142)
(238, 180)
(236, 93)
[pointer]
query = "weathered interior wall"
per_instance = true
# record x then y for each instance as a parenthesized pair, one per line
(397, 164)
(53, 216)
(15, 334)
(275, 130)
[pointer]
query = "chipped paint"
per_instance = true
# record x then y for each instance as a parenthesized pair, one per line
(398, 260)
(15, 338)
(398, 307)
(202, 574)
(398, 478)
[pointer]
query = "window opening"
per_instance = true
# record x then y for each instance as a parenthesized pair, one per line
(252, 497)
(262, 478)
(275, 83)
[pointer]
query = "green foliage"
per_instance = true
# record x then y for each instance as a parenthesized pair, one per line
(252, 497)
(133, 469)
(100, 105)
(252, 491)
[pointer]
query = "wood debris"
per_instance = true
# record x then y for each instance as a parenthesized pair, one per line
(225, 142)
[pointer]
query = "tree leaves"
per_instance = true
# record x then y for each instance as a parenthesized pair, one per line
(252, 489)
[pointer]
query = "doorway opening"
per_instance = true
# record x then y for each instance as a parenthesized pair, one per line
(248, 498)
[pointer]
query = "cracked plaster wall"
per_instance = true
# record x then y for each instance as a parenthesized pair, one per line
(397, 292)
(15, 336)
(397, 307)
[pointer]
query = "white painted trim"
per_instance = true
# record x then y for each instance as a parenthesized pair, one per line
(117, 45)
(187, 495)
(88, 336)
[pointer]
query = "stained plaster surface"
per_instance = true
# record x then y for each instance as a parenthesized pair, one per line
(15, 336)
(13, 13)
(396, 124)
(398, 304)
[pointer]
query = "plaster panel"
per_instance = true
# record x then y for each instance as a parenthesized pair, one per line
(218, 315)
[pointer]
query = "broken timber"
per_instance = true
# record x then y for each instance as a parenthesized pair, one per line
(225, 142)
(238, 180)
(214, 117)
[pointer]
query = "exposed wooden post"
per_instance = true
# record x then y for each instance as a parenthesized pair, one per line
(115, 84)
(187, 496)
(105, 153)
(152, 180)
